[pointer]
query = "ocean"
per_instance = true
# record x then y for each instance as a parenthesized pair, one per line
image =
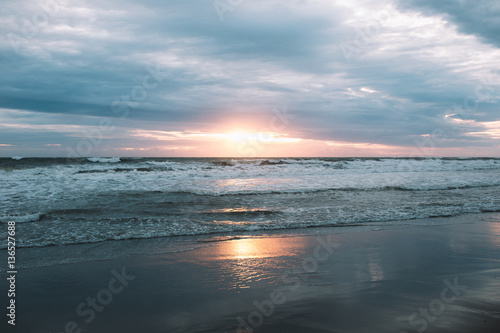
(57, 202)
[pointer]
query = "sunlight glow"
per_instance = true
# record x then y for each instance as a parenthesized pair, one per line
(268, 137)
(238, 137)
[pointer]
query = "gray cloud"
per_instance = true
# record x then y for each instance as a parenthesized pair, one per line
(399, 85)
(480, 18)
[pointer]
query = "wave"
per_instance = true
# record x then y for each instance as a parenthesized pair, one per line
(215, 193)
(241, 211)
(224, 163)
(21, 218)
(104, 159)
(272, 162)
(195, 228)
(234, 229)
(374, 165)
(116, 170)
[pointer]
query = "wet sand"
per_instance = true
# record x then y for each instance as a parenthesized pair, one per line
(417, 279)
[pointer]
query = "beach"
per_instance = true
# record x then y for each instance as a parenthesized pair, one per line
(232, 166)
(441, 277)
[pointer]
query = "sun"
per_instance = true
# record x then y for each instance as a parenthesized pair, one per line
(263, 137)
(241, 136)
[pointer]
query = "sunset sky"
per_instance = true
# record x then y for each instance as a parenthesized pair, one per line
(250, 78)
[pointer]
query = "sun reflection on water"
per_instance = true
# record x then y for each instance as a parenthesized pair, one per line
(246, 184)
(241, 210)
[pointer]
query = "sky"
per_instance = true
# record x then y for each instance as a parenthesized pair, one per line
(241, 78)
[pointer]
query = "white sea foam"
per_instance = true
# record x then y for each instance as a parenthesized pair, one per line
(39, 184)
(314, 192)
(20, 218)
(104, 159)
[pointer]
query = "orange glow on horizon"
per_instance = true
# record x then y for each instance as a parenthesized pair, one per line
(244, 142)
(268, 137)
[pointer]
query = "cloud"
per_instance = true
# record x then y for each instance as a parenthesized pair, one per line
(174, 66)
(479, 18)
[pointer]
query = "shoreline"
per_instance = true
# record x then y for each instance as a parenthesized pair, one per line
(322, 282)
(46, 256)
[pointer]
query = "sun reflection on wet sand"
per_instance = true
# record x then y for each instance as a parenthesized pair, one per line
(495, 233)
(246, 248)
(252, 260)
(375, 267)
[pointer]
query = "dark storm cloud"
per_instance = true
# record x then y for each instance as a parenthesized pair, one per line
(477, 17)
